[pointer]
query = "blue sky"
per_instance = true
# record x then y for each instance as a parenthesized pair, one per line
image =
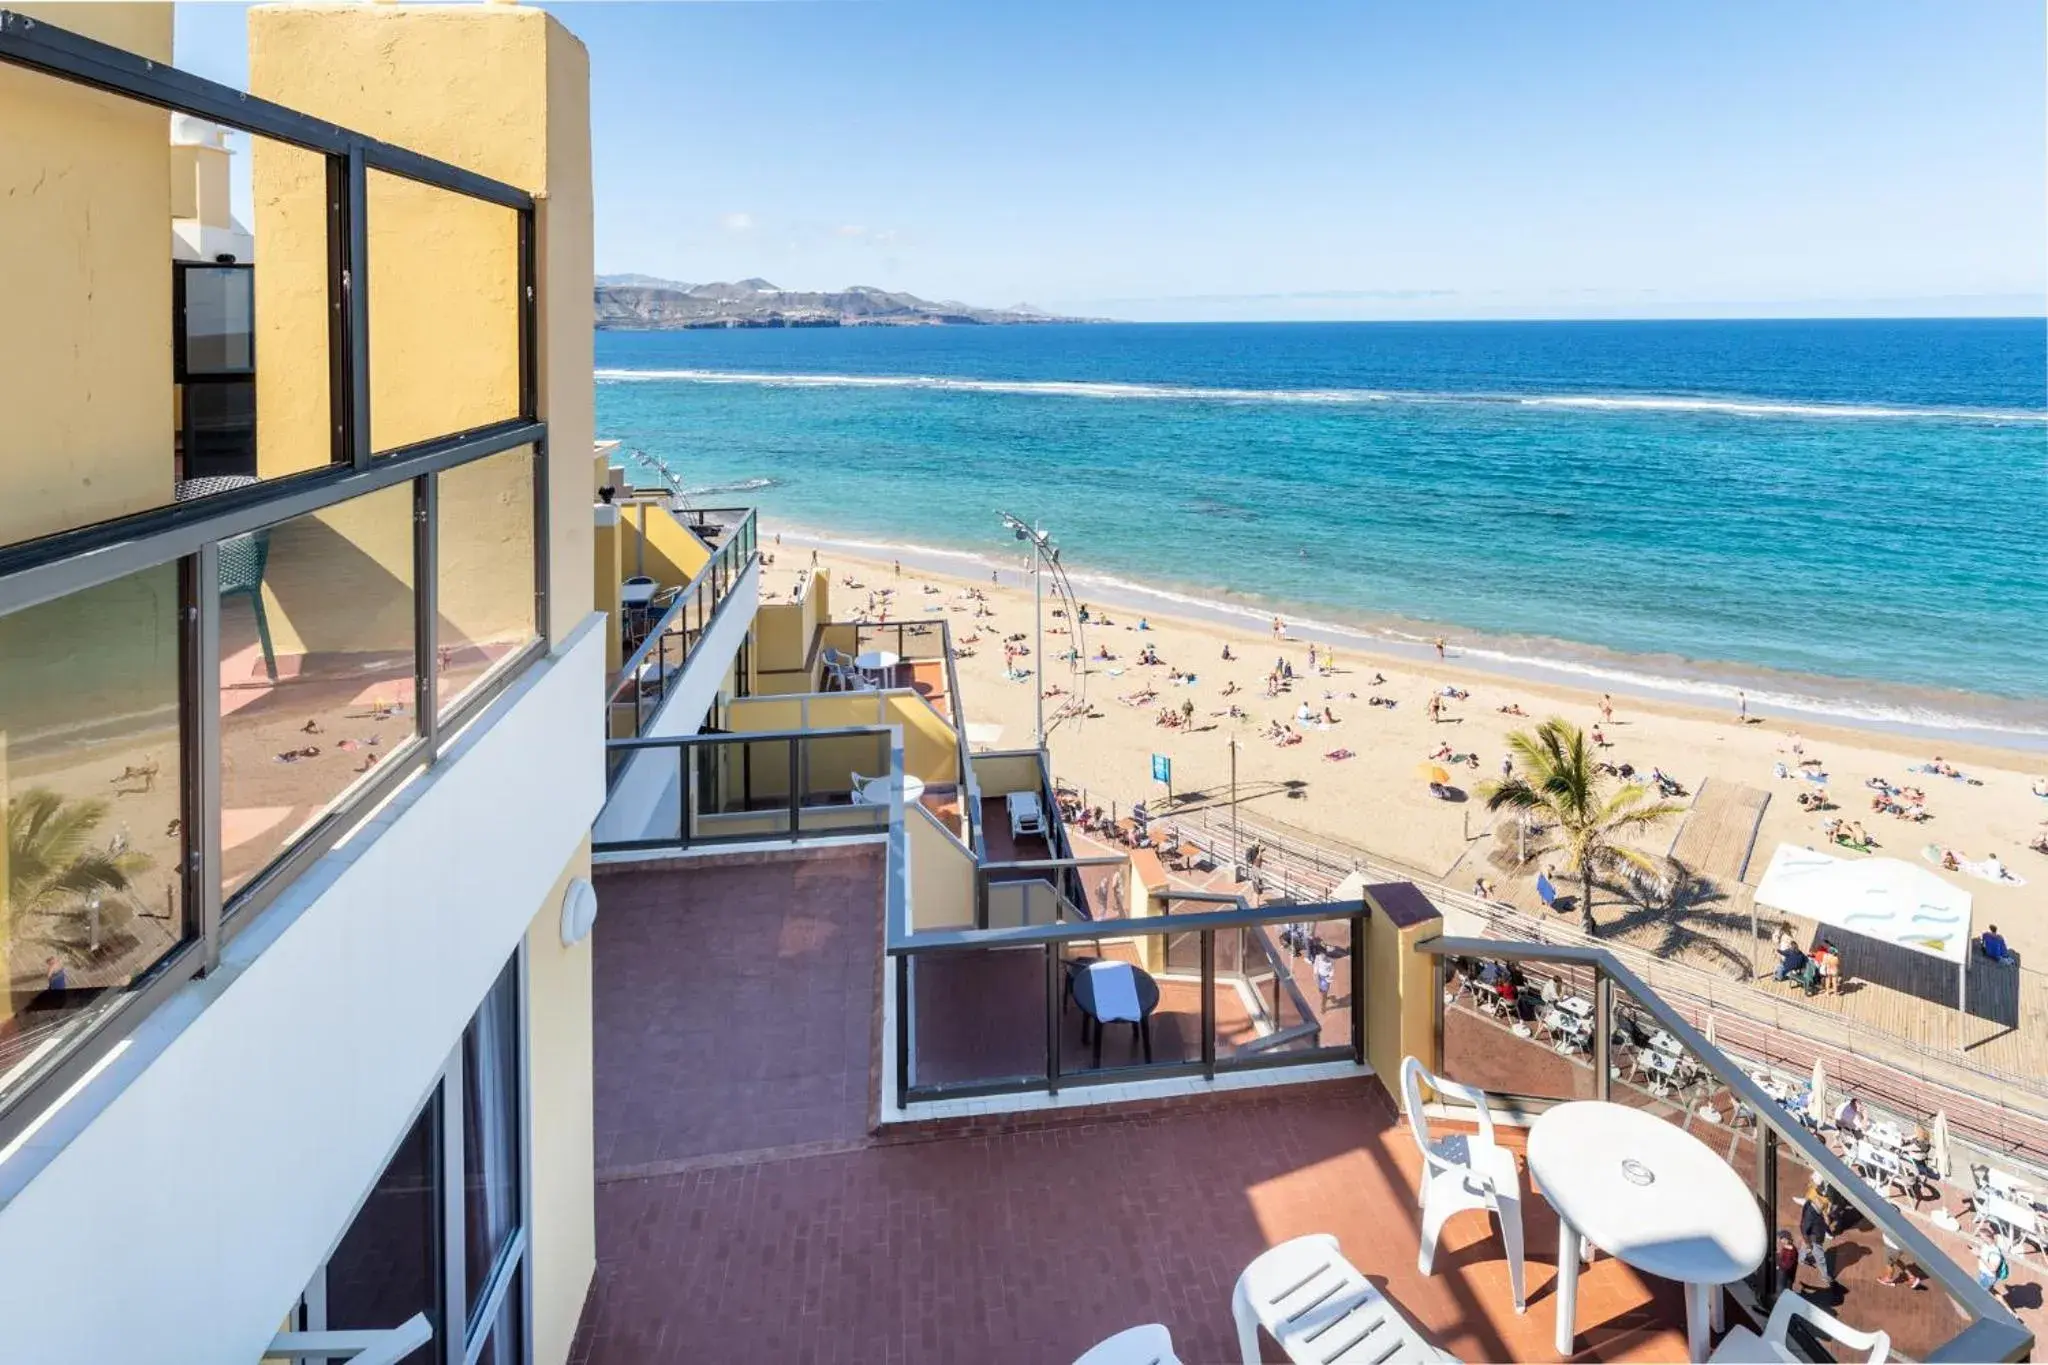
(1313, 160)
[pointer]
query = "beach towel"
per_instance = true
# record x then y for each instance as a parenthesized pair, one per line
(1116, 991)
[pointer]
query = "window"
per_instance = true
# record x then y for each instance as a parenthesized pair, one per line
(92, 895)
(411, 1248)
(388, 1265)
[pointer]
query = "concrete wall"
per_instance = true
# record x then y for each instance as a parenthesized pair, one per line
(1002, 773)
(85, 276)
(931, 750)
(783, 633)
(233, 1135)
(669, 552)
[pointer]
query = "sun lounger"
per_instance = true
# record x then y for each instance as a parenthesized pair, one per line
(1321, 1310)
(1027, 816)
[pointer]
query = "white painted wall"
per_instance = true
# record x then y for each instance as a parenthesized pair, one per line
(172, 1209)
(643, 806)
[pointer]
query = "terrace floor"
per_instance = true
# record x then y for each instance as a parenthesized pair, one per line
(745, 1212)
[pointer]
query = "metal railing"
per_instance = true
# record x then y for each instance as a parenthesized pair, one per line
(1999, 1109)
(902, 634)
(1050, 891)
(1683, 1074)
(691, 791)
(645, 679)
(207, 546)
(934, 1028)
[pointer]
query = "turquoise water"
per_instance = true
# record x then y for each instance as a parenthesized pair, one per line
(1852, 514)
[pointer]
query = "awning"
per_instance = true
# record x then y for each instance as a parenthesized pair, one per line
(1880, 898)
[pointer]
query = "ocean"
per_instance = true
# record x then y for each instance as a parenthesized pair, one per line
(1848, 518)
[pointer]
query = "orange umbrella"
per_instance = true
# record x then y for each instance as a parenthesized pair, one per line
(1429, 772)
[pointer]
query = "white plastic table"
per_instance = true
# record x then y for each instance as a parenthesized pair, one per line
(876, 662)
(1650, 1194)
(875, 791)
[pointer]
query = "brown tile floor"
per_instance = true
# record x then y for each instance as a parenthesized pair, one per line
(1031, 1246)
(732, 1007)
(733, 1058)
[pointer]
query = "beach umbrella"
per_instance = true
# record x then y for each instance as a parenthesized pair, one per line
(1817, 1097)
(1937, 1145)
(1429, 772)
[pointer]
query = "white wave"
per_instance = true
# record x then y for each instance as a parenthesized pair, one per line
(1762, 408)
(1061, 388)
(1048, 387)
(1762, 697)
(737, 486)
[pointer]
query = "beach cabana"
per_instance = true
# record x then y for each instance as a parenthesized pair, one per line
(1884, 899)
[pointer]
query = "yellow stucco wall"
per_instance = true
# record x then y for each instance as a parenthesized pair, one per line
(1401, 1002)
(1001, 774)
(941, 875)
(509, 98)
(85, 276)
(671, 553)
(559, 1050)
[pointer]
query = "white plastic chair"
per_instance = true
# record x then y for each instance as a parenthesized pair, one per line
(859, 792)
(1462, 1171)
(1744, 1347)
(1150, 1344)
(1321, 1310)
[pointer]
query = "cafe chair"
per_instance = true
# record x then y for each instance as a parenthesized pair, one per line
(1744, 1347)
(1463, 1171)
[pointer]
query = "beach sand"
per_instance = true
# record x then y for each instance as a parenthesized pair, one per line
(1375, 800)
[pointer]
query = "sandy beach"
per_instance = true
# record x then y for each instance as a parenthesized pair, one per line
(1372, 796)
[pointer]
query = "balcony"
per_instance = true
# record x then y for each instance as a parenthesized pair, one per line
(903, 1136)
(234, 626)
(709, 554)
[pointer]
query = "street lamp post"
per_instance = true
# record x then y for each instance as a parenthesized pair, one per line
(1043, 552)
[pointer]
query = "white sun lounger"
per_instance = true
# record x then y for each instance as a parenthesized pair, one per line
(1027, 816)
(1321, 1310)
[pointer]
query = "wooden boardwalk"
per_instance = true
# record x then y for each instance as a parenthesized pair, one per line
(1716, 836)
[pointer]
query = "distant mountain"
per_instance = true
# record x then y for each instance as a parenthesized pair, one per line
(643, 302)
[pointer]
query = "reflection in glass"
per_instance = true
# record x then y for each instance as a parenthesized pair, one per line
(92, 782)
(490, 1130)
(388, 1264)
(485, 580)
(444, 312)
(218, 319)
(504, 1344)
(316, 669)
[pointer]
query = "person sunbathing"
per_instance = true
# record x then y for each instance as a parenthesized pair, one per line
(1338, 755)
(2040, 844)
(1329, 717)
(1230, 688)
(1511, 709)
(1442, 754)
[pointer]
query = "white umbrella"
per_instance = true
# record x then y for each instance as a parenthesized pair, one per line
(1937, 1145)
(1817, 1099)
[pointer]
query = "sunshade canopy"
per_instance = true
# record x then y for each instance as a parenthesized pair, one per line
(1880, 898)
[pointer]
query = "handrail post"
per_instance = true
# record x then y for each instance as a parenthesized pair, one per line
(1053, 1001)
(795, 747)
(1603, 1031)
(1209, 1002)
(903, 1031)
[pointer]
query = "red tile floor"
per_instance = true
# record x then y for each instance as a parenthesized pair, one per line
(743, 1215)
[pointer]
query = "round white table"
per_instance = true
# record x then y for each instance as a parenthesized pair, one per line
(1654, 1197)
(875, 791)
(876, 662)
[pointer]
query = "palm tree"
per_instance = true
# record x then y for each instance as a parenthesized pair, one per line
(52, 866)
(1559, 779)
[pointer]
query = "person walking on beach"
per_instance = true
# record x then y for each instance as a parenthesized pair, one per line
(1607, 708)
(814, 556)
(1279, 627)
(1436, 708)
(1741, 706)
(899, 567)
(1439, 648)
